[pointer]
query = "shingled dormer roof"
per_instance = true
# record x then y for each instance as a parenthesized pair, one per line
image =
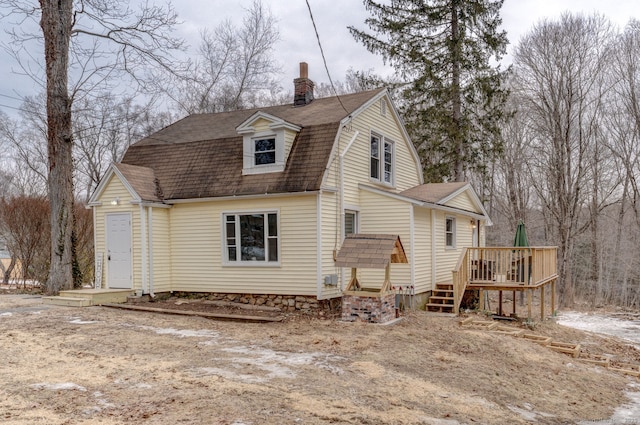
(201, 155)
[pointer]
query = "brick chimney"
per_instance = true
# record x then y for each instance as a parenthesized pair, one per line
(303, 87)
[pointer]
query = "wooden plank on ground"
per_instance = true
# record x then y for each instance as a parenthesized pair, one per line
(542, 340)
(217, 316)
(565, 347)
(507, 330)
(598, 360)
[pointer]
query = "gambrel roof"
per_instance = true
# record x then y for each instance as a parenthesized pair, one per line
(201, 155)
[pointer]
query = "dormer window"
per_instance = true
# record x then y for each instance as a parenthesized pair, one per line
(264, 151)
(266, 143)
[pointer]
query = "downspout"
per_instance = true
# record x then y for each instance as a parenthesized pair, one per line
(342, 155)
(95, 249)
(319, 245)
(433, 249)
(143, 248)
(150, 220)
(412, 247)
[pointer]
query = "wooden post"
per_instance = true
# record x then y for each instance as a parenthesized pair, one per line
(481, 299)
(529, 302)
(499, 303)
(514, 303)
(553, 297)
(542, 303)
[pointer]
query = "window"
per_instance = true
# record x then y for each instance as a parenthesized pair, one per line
(350, 222)
(264, 151)
(450, 232)
(251, 238)
(381, 159)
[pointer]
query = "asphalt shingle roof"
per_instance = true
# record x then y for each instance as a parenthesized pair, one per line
(370, 251)
(200, 156)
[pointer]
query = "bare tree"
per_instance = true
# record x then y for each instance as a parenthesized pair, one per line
(24, 225)
(96, 44)
(559, 69)
(235, 68)
(104, 127)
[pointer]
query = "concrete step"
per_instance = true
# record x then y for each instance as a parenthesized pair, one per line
(99, 296)
(67, 301)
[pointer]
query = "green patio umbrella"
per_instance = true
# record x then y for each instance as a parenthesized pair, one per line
(521, 241)
(521, 236)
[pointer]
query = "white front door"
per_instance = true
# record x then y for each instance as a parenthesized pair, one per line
(119, 251)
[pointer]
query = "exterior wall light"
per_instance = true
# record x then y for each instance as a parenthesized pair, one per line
(115, 201)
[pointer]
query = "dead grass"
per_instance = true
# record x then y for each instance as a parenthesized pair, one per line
(102, 366)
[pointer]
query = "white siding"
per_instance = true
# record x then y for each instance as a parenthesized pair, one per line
(381, 214)
(464, 202)
(422, 256)
(160, 255)
(357, 159)
(447, 258)
(331, 240)
(197, 262)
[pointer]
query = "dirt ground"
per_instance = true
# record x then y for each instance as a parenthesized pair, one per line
(98, 365)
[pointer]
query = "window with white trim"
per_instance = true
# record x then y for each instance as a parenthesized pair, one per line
(382, 158)
(251, 238)
(450, 232)
(350, 222)
(264, 151)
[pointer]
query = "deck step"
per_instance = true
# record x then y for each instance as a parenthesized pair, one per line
(440, 308)
(441, 298)
(67, 301)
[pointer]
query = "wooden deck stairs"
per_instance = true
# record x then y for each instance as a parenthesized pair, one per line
(442, 300)
(88, 297)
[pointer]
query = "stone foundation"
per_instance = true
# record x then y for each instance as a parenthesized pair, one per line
(286, 303)
(371, 309)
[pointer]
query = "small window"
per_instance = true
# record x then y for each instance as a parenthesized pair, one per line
(265, 151)
(350, 222)
(381, 159)
(450, 232)
(251, 238)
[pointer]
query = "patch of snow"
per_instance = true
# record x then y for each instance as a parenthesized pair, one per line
(7, 313)
(625, 414)
(143, 386)
(56, 387)
(527, 413)
(277, 364)
(78, 321)
(183, 333)
(628, 330)
(242, 377)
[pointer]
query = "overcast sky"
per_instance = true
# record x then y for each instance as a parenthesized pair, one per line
(298, 42)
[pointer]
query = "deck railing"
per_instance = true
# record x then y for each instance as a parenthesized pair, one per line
(531, 266)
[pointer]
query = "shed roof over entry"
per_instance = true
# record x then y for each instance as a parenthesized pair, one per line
(370, 251)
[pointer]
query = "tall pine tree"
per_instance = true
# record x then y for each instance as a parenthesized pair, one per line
(452, 96)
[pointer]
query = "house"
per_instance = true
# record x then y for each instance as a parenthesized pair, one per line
(256, 203)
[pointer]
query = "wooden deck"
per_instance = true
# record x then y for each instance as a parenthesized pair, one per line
(507, 269)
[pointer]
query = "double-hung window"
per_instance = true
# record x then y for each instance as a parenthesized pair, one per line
(264, 151)
(381, 166)
(251, 238)
(450, 232)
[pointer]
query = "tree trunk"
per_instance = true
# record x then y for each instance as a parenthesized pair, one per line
(456, 96)
(56, 23)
